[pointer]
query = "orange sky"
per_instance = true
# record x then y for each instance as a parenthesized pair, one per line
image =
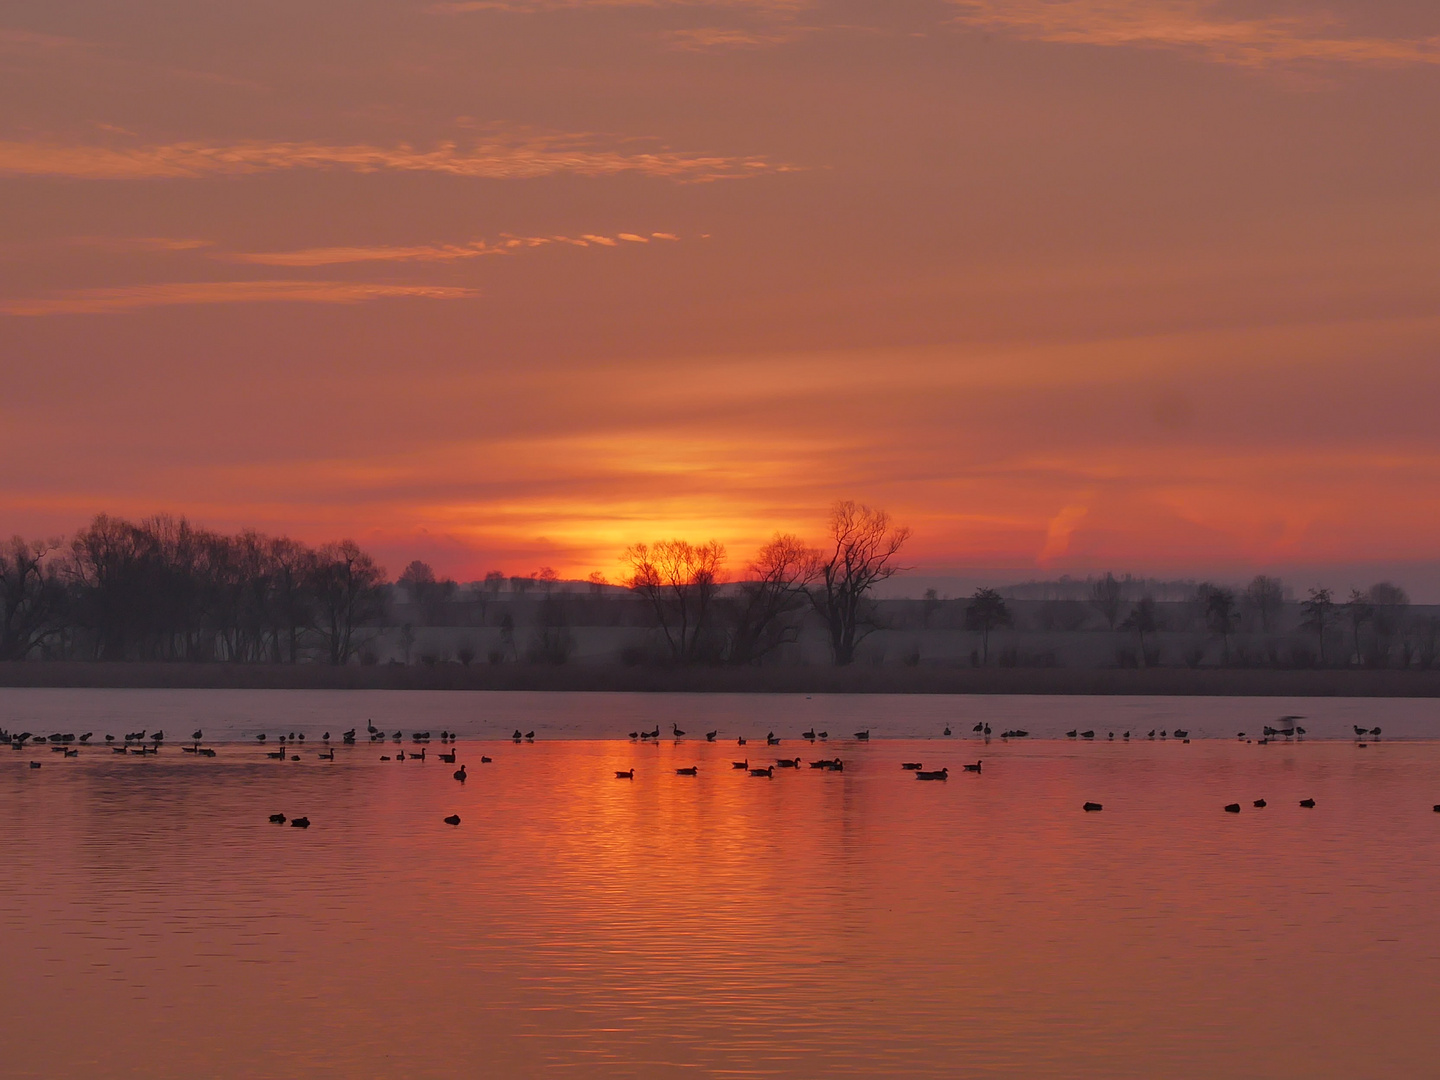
(1064, 284)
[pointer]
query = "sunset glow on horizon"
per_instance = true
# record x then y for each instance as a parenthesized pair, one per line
(1063, 285)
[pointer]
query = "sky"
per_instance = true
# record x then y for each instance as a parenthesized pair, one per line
(1063, 285)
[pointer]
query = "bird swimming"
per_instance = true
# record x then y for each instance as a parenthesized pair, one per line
(693, 770)
(937, 774)
(628, 774)
(912, 765)
(767, 771)
(460, 774)
(300, 823)
(453, 819)
(973, 768)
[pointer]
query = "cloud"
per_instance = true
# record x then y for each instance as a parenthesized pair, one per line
(1203, 26)
(462, 7)
(334, 256)
(516, 157)
(131, 297)
(702, 38)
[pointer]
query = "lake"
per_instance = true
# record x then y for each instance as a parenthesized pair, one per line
(812, 924)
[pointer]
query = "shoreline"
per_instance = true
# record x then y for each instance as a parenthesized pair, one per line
(1161, 682)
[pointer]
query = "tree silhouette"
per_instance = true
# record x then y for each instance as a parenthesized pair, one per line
(1143, 619)
(1318, 613)
(1220, 614)
(1106, 596)
(986, 612)
(679, 579)
(860, 553)
(775, 590)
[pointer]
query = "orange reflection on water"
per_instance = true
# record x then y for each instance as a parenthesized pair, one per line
(859, 923)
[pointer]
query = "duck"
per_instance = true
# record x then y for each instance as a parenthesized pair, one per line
(628, 774)
(809, 735)
(767, 771)
(1309, 804)
(973, 768)
(277, 819)
(710, 736)
(947, 730)
(788, 763)
(824, 734)
(916, 765)
(693, 770)
(1232, 808)
(300, 823)
(1092, 807)
(460, 774)
(485, 760)
(740, 741)
(453, 819)
(1072, 733)
(771, 740)
(1185, 734)
(1087, 734)
(936, 774)
(1259, 804)
(35, 764)
(327, 757)
(863, 736)
(448, 759)
(740, 764)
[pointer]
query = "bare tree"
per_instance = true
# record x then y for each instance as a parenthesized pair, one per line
(1265, 596)
(986, 612)
(679, 579)
(1107, 596)
(1220, 614)
(1318, 614)
(1358, 612)
(1143, 619)
(597, 581)
(1388, 617)
(775, 592)
(861, 551)
(346, 584)
(31, 597)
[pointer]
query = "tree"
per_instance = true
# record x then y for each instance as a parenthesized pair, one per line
(346, 584)
(1388, 616)
(861, 552)
(1219, 607)
(775, 591)
(1358, 612)
(418, 581)
(1107, 596)
(679, 580)
(1143, 619)
(31, 597)
(1318, 613)
(597, 581)
(986, 612)
(1265, 596)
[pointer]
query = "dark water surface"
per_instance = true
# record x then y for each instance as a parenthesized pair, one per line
(859, 923)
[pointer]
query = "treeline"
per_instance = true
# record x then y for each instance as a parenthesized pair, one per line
(162, 589)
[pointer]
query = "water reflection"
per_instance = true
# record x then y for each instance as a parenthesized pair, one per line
(854, 923)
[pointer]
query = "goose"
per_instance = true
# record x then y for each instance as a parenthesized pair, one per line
(1087, 734)
(824, 734)
(1091, 807)
(1374, 731)
(1162, 733)
(947, 730)
(693, 770)
(453, 819)
(978, 728)
(1299, 730)
(295, 757)
(1287, 732)
(1126, 736)
(35, 764)
(824, 763)
(740, 764)
(258, 738)
(530, 736)
(1111, 735)
(973, 768)
(420, 755)
(788, 763)
(1267, 730)
(1309, 804)
(196, 735)
(159, 736)
(644, 735)
(517, 736)
(109, 738)
(1232, 808)
(809, 735)
(837, 765)
(1360, 730)
(190, 749)
(634, 734)
(277, 819)
(1152, 734)
(397, 736)
(460, 774)
(371, 728)
(937, 774)
(205, 751)
(863, 736)
(448, 759)
(1259, 804)
(1072, 733)
(987, 730)
(1181, 734)
(277, 755)
(300, 823)
(710, 736)
(400, 756)
(916, 765)
(628, 774)
(485, 760)
(767, 771)
(740, 741)
(327, 757)
(676, 729)
(771, 740)
(86, 736)
(384, 757)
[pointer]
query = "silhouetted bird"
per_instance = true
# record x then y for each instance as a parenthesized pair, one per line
(1259, 804)
(1309, 804)
(973, 768)
(628, 774)
(978, 728)
(197, 735)
(448, 759)
(485, 760)
(710, 736)
(277, 819)
(767, 771)
(863, 736)
(1071, 733)
(947, 730)
(35, 765)
(530, 735)
(788, 763)
(824, 734)
(460, 774)
(809, 735)
(300, 823)
(693, 770)
(912, 765)
(1232, 808)
(938, 774)
(740, 741)
(740, 764)
(635, 734)
(1087, 734)
(453, 819)
(676, 729)
(1091, 807)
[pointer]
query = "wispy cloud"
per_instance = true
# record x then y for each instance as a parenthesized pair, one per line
(705, 38)
(334, 256)
(461, 7)
(131, 297)
(1205, 26)
(521, 156)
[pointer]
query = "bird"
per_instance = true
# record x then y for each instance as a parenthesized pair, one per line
(1309, 804)
(710, 736)
(1111, 735)
(767, 771)
(1259, 804)
(1181, 734)
(453, 819)
(987, 730)
(824, 734)
(973, 768)
(740, 764)
(205, 752)
(788, 763)
(1360, 730)
(693, 770)
(1071, 733)
(771, 740)
(1299, 730)
(258, 738)
(947, 730)
(35, 764)
(277, 755)
(1152, 733)
(530, 735)
(676, 729)
(628, 774)
(1091, 807)
(517, 736)
(448, 759)
(460, 774)
(197, 735)
(938, 774)
(69, 753)
(1087, 734)
(1232, 808)
(300, 823)
(912, 765)
(978, 728)
(384, 757)
(809, 735)
(1374, 731)
(634, 734)
(740, 741)
(327, 757)
(420, 755)
(277, 819)
(863, 736)
(485, 760)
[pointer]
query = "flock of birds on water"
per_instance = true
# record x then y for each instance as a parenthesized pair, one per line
(146, 743)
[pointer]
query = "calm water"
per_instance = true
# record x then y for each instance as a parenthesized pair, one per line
(817, 924)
